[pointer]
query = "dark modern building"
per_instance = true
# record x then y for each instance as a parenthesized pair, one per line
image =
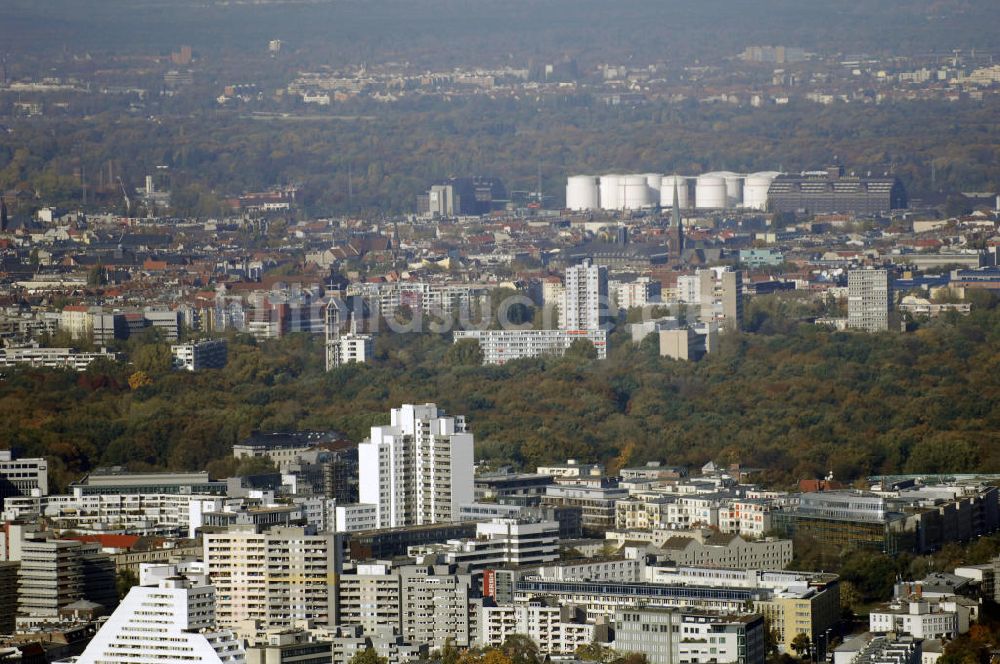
(391, 542)
(620, 256)
(340, 475)
(525, 489)
(832, 191)
(462, 196)
(915, 520)
(569, 518)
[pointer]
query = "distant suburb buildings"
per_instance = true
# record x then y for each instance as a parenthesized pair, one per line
(710, 301)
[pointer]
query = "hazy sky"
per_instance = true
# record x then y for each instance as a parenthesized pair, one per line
(589, 29)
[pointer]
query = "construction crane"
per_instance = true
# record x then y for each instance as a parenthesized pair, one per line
(128, 202)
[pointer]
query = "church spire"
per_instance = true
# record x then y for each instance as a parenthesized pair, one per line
(675, 220)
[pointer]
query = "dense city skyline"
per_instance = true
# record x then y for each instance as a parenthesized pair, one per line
(441, 332)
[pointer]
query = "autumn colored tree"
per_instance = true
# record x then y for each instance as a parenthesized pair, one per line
(368, 656)
(139, 379)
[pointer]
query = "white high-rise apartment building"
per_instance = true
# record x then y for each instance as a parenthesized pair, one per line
(869, 299)
(277, 577)
(631, 294)
(425, 603)
(721, 297)
(554, 297)
(172, 623)
(689, 289)
(418, 469)
(586, 296)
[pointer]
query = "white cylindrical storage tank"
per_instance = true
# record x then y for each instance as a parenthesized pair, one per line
(636, 193)
(734, 187)
(710, 192)
(755, 189)
(611, 192)
(654, 181)
(582, 193)
(667, 191)
(734, 190)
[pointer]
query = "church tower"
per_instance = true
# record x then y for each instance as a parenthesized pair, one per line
(677, 240)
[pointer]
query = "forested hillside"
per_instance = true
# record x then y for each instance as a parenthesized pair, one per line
(395, 155)
(797, 403)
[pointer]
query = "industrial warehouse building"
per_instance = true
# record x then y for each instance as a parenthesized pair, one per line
(832, 191)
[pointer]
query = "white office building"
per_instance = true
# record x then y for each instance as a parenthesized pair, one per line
(555, 629)
(441, 201)
(349, 348)
(669, 636)
(921, 619)
(52, 358)
(22, 477)
(419, 469)
(355, 517)
(198, 355)
(173, 622)
(163, 514)
(500, 542)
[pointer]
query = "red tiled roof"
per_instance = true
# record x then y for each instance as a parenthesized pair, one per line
(109, 541)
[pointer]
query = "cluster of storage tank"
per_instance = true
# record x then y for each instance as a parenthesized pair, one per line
(719, 190)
